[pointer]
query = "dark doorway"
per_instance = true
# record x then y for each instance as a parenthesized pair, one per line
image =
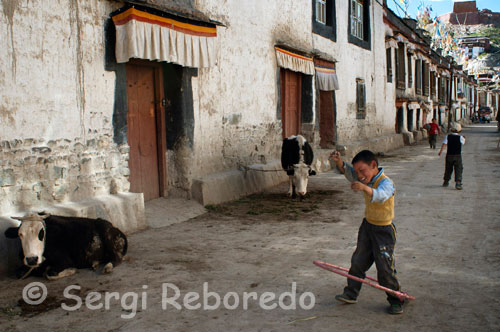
(418, 119)
(146, 129)
(409, 119)
(399, 120)
(327, 111)
(291, 87)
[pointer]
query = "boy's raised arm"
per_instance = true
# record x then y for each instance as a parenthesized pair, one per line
(344, 167)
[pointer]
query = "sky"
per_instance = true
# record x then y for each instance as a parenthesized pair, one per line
(439, 7)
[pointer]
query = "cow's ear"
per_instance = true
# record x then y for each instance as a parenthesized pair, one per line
(312, 172)
(12, 232)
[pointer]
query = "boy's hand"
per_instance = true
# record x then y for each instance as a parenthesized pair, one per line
(358, 186)
(337, 159)
(335, 156)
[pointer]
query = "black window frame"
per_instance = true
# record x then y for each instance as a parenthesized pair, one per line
(410, 70)
(418, 77)
(400, 65)
(425, 78)
(328, 30)
(366, 41)
(388, 62)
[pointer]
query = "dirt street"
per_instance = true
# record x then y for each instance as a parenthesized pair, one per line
(448, 257)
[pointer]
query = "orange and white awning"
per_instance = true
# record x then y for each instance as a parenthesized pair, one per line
(143, 35)
(294, 61)
(326, 76)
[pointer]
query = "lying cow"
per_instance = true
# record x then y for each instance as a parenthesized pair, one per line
(296, 159)
(54, 245)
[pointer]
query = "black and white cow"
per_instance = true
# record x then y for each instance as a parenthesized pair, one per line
(296, 159)
(55, 246)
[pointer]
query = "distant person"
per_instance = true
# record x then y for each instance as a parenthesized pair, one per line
(453, 143)
(377, 234)
(433, 132)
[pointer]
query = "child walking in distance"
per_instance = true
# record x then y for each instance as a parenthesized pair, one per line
(433, 132)
(453, 143)
(377, 234)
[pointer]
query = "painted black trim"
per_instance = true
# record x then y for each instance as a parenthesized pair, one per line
(179, 109)
(329, 30)
(120, 105)
(306, 99)
(366, 42)
(278, 104)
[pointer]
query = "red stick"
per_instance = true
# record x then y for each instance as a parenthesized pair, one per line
(343, 269)
(338, 269)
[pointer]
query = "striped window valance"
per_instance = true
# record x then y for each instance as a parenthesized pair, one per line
(143, 35)
(326, 77)
(293, 61)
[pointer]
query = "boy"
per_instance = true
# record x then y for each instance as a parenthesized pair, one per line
(377, 234)
(454, 143)
(433, 132)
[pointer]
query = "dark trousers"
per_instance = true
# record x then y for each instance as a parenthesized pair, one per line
(432, 141)
(375, 244)
(453, 162)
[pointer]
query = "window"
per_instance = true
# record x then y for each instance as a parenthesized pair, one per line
(410, 76)
(360, 99)
(323, 18)
(321, 11)
(433, 84)
(425, 78)
(418, 77)
(388, 61)
(357, 18)
(359, 23)
(400, 65)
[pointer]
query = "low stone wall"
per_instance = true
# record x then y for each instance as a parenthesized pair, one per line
(226, 186)
(35, 173)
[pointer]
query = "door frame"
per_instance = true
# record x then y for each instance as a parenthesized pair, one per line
(161, 136)
(284, 115)
(334, 113)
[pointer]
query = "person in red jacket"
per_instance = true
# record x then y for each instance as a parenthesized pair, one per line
(433, 132)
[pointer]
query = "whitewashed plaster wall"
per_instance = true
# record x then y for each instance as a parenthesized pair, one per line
(236, 102)
(56, 104)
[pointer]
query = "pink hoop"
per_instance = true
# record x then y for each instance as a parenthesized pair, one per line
(339, 270)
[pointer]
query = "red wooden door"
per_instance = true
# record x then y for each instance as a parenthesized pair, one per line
(291, 86)
(142, 131)
(326, 120)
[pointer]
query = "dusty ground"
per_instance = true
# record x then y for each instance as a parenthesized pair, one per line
(448, 256)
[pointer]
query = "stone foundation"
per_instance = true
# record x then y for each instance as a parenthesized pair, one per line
(36, 173)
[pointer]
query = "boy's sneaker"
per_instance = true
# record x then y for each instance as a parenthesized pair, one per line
(446, 183)
(346, 298)
(459, 186)
(395, 309)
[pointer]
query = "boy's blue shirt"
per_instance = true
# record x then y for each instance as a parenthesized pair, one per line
(385, 189)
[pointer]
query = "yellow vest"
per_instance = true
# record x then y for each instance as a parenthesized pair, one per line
(380, 214)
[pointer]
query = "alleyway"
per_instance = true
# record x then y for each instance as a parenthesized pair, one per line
(447, 257)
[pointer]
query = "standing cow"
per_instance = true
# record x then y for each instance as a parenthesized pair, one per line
(296, 159)
(55, 245)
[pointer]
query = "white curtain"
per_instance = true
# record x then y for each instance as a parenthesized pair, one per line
(138, 36)
(295, 62)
